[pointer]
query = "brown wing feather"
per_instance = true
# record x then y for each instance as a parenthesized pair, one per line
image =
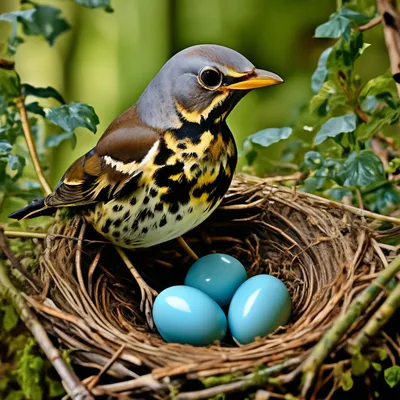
(93, 178)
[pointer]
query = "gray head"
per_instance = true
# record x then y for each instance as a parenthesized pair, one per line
(196, 81)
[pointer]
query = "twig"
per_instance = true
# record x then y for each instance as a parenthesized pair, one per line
(377, 321)
(95, 380)
(33, 281)
(371, 24)
(187, 248)
(74, 386)
(27, 235)
(31, 145)
(343, 323)
(391, 31)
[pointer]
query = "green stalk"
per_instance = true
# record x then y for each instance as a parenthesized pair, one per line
(377, 321)
(327, 343)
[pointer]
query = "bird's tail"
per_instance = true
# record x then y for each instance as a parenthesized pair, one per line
(35, 209)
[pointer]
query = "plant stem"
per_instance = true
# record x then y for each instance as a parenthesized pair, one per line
(377, 321)
(31, 145)
(371, 24)
(339, 5)
(322, 349)
(74, 386)
(391, 31)
(26, 235)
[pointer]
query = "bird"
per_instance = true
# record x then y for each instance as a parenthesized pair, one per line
(163, 165)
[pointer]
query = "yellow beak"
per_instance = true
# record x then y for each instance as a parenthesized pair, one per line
(257, 79)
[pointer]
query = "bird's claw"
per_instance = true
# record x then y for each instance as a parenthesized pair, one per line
(146, 303)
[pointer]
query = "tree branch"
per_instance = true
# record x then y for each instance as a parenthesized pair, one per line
(31, 144)
(371, 24)
(391, 31)
(74, 386)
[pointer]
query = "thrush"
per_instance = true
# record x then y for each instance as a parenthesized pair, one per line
(164, 165)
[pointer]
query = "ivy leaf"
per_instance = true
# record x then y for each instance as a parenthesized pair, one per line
(354, 16)
(266, 137)
(376, 85)
(106, 4)
(9, 82)
(72, 116)
(10, 317)
(45, 22)
(336, 126)
(313, 160)
(16, 163)
(56, 140)
(320, 74)
(359, 364)
(338, 26)
(392, 375)
(35, 108)
(5, 148)
(30, 90)
(361, 169)
(383, 117)
(383, 200)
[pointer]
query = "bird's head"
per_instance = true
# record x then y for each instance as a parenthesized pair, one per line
(198, 83)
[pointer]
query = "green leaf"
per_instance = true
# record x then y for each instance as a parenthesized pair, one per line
(354, 16)
(266, 137)
(10, 317)
(376, 366)
(381, 118)
(320, 74)
(335, 126)
(15, 395)
(56, 140)
(394, 165)
(16, 163)
(392, 376)
(56, 388)
(361, 169)
(47, 92)
(45, 22)
(106, 4)
(35, 108)
(9, 84)
(72, 116)
(336, 27)
(359, 364)
(376, 85)
(313, 160)
(383, 200)
(346, 381)
(5, 148)
(29, 372)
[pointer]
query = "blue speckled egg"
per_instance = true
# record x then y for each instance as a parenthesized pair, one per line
(183, 314)
(217, 275)
(258, 307)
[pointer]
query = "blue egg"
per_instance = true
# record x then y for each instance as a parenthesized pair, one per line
(217, 275)
(258, 307)
(186, 315)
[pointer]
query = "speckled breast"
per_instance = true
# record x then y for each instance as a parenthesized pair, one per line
(178, 188)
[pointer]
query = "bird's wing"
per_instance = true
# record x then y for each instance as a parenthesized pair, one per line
(111, 169)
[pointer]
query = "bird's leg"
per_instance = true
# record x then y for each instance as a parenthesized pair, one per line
(187, 248)
(146, 292)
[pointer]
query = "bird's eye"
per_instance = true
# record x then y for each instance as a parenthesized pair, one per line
(210, 78)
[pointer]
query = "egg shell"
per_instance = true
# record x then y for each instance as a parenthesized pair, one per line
(259, 306)
(183, 314)
(218, 275)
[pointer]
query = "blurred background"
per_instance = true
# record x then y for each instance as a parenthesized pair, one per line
(107, 59)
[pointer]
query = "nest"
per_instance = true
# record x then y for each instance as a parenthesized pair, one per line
(325, 253)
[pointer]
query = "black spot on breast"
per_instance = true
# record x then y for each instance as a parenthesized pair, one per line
(117, 207)
(145, 230)
(163, 153)
(174, 208)
(194, 167)
(118, 222)
(190, 155)
(396, 77)
(159, 207)
(145, 214)
(163, 221)
(146, 200)
(106, 227)
(129, 187)
(126, 215)
(116, 234)
(182, 146)
(132, 201)
(389, 20)
(153, 192)
(179, 217)
(190, 210)
(125, 229)
(191, 130)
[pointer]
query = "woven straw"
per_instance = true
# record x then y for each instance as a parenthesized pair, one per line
(324, 253)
